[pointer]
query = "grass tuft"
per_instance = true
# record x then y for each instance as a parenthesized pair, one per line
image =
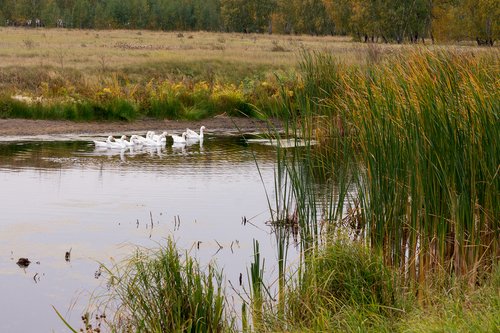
(166, 291)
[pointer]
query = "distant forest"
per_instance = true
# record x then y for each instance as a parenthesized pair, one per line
(368, 20)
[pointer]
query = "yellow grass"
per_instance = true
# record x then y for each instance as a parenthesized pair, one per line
(115, 49)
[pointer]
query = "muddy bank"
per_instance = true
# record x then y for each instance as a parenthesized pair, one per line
(23, 127)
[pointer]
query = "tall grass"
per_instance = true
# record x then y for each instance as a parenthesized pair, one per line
(344, 288)
(157, 291)
(257, 286)
(422, 135)
(403, 156)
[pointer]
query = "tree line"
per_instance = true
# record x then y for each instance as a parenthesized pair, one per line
(368, 20)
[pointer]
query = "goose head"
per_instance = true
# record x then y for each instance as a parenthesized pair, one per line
(134, 139)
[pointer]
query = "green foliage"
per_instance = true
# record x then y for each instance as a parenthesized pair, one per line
(247, 16)
(423, 131)
(115, 109)
(465, 309)
(166, 291)
(343, 287)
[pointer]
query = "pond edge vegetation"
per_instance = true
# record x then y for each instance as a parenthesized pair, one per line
(393, 203)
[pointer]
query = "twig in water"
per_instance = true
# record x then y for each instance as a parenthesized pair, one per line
(67, 256)
(220, 247)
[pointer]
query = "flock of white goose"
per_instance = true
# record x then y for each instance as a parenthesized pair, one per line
(150, 140)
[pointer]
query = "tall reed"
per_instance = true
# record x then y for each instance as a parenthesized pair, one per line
(421, 133)
(257, 286)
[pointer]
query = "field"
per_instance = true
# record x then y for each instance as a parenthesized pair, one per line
(144, 55)
(114, 50)
(126, 75)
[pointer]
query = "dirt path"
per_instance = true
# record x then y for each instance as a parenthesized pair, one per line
(23, 127)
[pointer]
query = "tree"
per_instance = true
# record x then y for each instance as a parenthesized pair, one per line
(339, 13)
(236, 15)
(483, 17)
(50, 13)
(142, 14)
(207, 13)
(262, 12)
(83, 15)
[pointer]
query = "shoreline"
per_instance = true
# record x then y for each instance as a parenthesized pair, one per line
(220, 124)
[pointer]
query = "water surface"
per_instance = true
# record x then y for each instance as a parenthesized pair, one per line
(57, 196)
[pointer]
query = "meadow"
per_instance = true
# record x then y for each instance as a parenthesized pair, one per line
(129, 74)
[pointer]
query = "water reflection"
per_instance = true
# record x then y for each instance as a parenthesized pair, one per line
(153, 151)
(60, 197)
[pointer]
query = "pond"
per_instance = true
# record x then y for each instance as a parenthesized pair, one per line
(61, 195)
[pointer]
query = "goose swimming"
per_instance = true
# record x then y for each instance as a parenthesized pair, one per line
(162, 136)
(190, 134)
(179, 139)
(132, 142)
(103, 144)
(160, 140)
(115, 144)
(123, 137)
(142, 139)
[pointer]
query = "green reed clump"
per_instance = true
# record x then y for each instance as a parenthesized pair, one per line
(428, 136)
(164, 291)
(423, 132)
(257, 286)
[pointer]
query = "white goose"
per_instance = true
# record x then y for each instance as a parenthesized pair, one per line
(132, 142)
(179, 139)
(162, 136)
(122, 139)
(103, 144)
(192, 135)
(115, 144)
(160, 140)
(142, 139)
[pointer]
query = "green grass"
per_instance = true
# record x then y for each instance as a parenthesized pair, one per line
(341, 283)
(407, 164)
(422, 133)
(166, 291)
(114, 109)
